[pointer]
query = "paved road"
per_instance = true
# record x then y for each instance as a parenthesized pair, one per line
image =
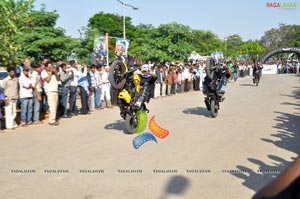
(255, 136)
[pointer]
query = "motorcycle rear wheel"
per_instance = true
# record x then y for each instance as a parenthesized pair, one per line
(137, 122)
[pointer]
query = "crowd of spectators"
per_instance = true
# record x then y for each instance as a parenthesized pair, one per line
(54, 88)
(51, 90)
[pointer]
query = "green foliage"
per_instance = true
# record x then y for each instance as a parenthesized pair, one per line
(252, 48)
(295, 35)
(206, 42)
(111, 23)
(167, 42)
(40, 38)
(13, 14)
(25, 32)
(284, 36)
(232, 45)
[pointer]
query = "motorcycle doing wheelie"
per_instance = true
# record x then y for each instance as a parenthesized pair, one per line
(256, 77)
(256, 72)
(214, 85)
(127, 83)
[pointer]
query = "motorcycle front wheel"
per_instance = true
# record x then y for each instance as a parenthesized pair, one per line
(213, 109)
(136, 122)
(256, 81)
(116, 75)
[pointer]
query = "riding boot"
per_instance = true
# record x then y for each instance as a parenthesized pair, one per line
(207, 103)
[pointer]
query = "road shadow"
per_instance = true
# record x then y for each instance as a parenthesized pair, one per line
(177, 185)
(118, 125)
(255, 179)
(289, 103)
(288, 134)
(287, 137)
(295, 93)
(247, 85)
(197, 111)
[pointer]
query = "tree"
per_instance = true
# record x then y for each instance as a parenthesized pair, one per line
(13, 14)
(111, 23)
(252, 48)
(294, 35)
(167, 42)
(206, 42)
(232, 45)
(284, 36)
(40, 38)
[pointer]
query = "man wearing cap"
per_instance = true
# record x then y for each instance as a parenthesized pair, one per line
(26, 96)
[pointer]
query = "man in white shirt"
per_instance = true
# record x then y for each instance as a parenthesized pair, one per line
(186, 76)
(10, 86)
(51, 77)
(74, 85)
(105, 96)
(25, 94)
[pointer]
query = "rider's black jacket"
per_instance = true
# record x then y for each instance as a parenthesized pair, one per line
(146, 83)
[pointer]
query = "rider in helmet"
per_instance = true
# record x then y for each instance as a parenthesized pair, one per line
(222, 73)
(147, 79)
(257, 70)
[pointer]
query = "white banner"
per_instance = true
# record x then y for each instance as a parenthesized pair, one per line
(269, 69)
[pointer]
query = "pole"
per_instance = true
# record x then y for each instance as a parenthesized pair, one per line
(124, 5)
(225, 49)
(124, 30)
(107, 55)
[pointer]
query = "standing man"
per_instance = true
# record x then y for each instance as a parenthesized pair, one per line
(197, 76)
(65, 77)
(26, 97)
(96, 87)
(10, 86)
(186, 84)
(164, 75)
(84, 87)
(235, 71)
(74, 85)
(157, 87)
(105, 96)
(92, 84)
(44, 104)
(201, 69)
(51, 77)
(37, 93)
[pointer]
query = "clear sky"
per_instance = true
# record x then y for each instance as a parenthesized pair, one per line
(248, 18)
